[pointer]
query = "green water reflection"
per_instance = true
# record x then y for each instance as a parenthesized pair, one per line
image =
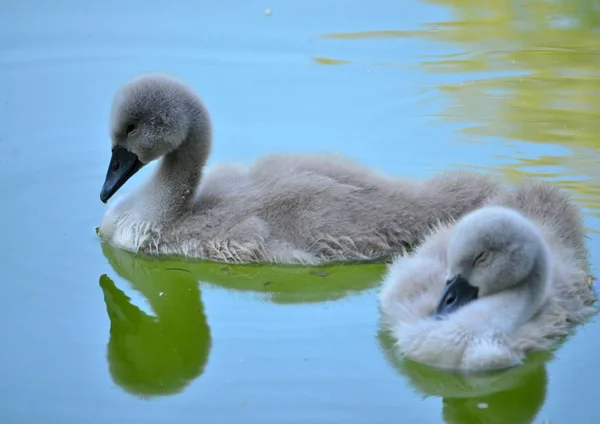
(294, 285)
(514, 396)
(161, 354)
(277, 284)
(158, 354)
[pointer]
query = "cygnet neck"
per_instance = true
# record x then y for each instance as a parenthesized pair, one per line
(539, 280)
(173, 186)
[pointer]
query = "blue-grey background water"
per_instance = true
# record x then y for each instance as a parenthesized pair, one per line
(92, 335)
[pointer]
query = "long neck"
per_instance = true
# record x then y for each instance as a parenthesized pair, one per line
(173, 186)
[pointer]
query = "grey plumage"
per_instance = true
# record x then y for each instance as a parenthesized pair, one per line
(296, 209)
(525, 253)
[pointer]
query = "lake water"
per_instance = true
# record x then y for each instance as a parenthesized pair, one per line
(95, 335)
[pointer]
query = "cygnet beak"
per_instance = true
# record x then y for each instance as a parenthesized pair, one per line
(123, 165)
(458, 292)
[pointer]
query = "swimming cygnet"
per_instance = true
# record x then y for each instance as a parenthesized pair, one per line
(288, 209)
(506, 279)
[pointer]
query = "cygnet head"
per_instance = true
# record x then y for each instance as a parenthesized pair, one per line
(491, 250)
(152, 115)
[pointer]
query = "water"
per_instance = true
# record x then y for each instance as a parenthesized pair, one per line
(93, 335)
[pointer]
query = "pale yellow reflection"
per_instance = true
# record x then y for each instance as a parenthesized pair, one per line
(367, 34)
(530, 73)
(329, 61)
(549, 90)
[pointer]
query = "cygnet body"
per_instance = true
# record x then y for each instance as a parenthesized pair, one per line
(288, 209)
(506, 279)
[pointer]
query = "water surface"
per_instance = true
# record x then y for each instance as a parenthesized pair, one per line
(92, 334)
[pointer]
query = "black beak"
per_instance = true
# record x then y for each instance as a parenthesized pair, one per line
(458, 292)
(123, 165)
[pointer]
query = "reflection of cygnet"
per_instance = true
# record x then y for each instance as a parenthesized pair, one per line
(501, 282)
(513, 396)
(162, 353)
(300, 209)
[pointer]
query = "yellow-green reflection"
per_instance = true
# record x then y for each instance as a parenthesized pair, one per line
(278, 284)
(365, 35)
(161, 354)
(513, 396)
(548, 90)
(329, 61)
(549, 93)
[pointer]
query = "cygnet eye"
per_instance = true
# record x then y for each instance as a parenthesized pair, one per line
(480, 258)
(130, 129)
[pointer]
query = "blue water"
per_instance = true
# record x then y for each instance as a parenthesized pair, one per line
(439, 90)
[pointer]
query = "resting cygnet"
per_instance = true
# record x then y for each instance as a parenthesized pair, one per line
(505, 280)
(292, 209)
